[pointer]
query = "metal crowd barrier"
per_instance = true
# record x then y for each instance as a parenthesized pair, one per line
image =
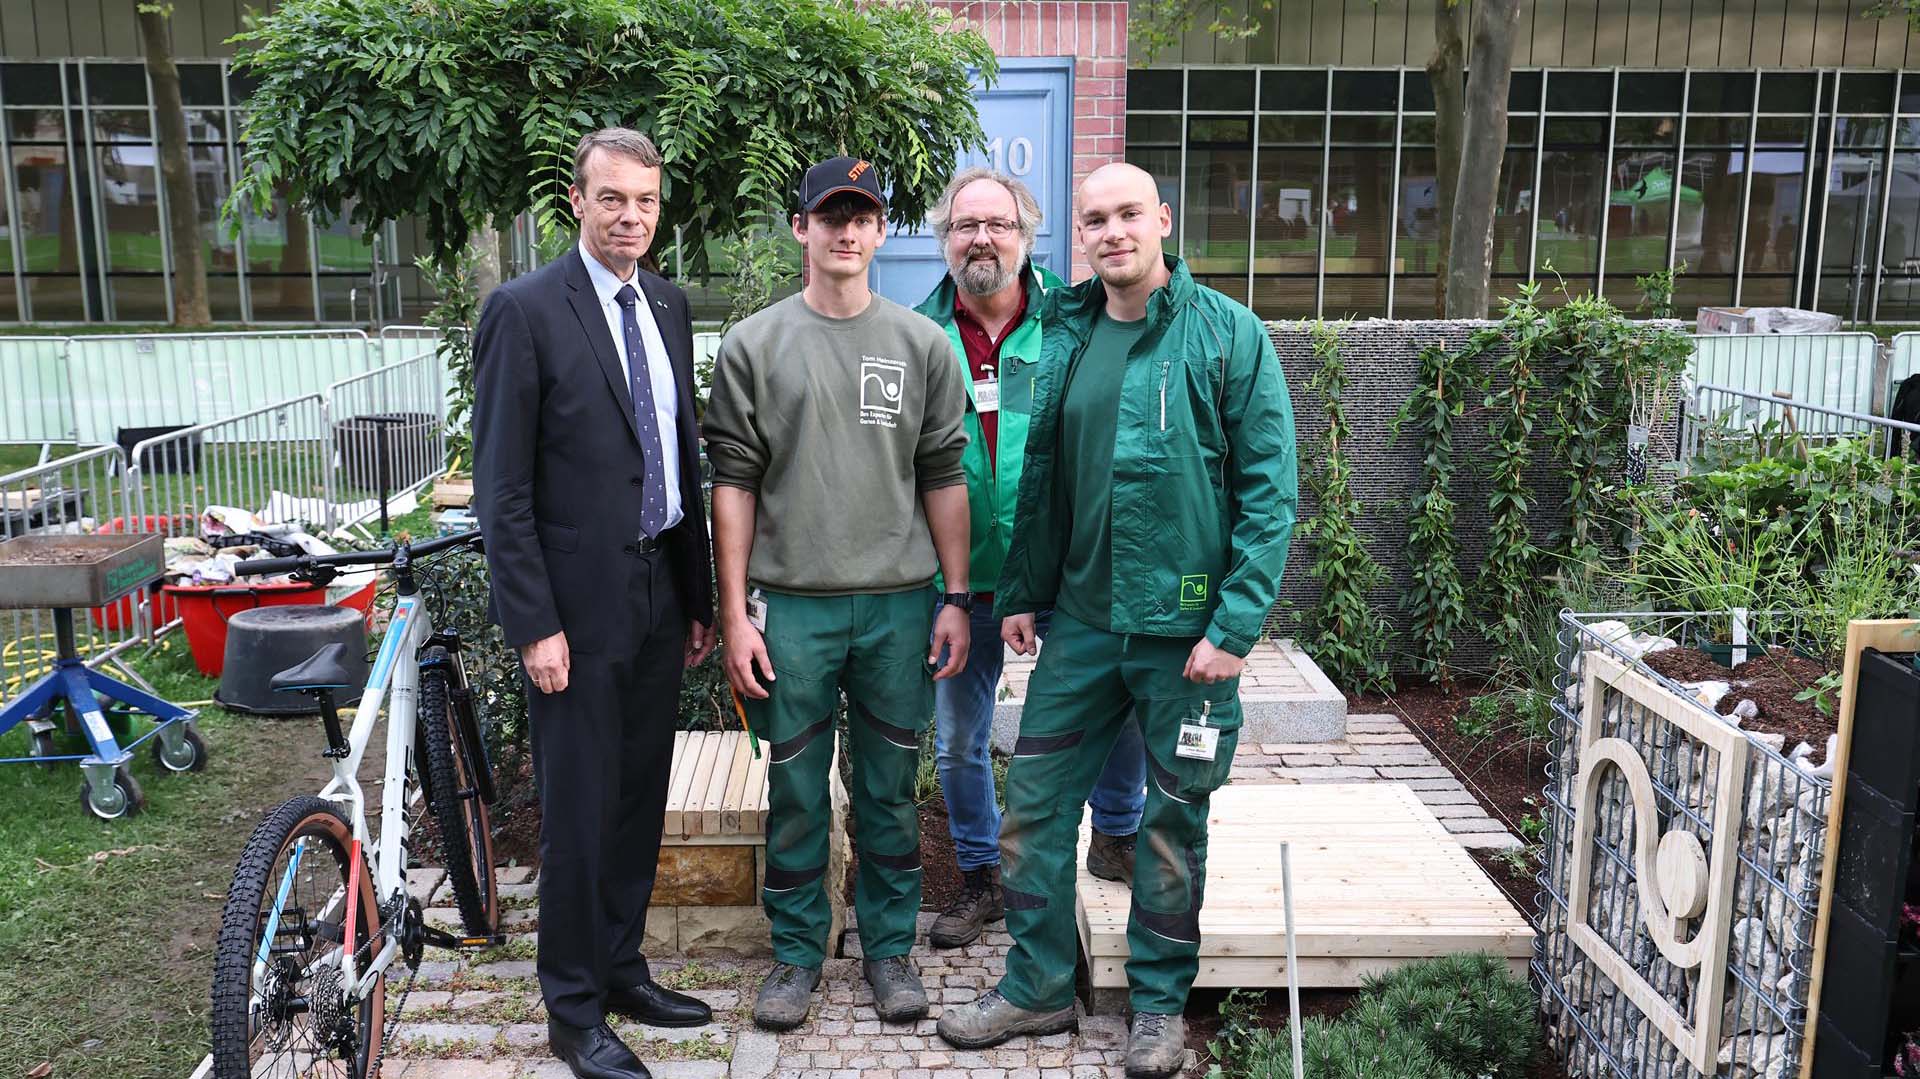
(389, 434)
(1722, 412)
(36, 395)
(1830, 370)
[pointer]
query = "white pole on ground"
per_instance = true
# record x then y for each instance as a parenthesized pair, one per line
(1293, 982)
(1739, 654)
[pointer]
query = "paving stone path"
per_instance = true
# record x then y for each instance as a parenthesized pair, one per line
(482, 1018)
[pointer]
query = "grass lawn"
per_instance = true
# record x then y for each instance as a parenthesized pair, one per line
(107, 930)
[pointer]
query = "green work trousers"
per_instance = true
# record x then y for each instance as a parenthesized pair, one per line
(1084, 687)
(875, 648)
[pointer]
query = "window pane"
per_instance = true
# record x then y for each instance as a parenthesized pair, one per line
(346, 262)
(1868, 92)
(1219, 187)
(1853, 213)
(1650, 91)
(1366, 91)
(219, 251)
(1691, 292)
(129, 180)
(1708, 237)
(1219, 91)
(1293, 90)
(1774, 213)
(1288, 296)
(1360, 185)
(200, 85)
(279, 264)
(1419, 92)
(1786, 91)
(1900, 289)
(116, 84)
(1355, 297)
(1571, 193)
(30, 84)
(120, 125)
(1642, 201)
(1286, 255)
(1418, 243)
(1720, 91)
(1579, 91)
(1153, 89)
(1523, 92)
(1157, 150)
(49, 236)
(1363, 130)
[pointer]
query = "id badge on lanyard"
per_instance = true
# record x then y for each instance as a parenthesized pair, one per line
(1199, 739)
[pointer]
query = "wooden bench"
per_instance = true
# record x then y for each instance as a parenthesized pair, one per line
(713, 849)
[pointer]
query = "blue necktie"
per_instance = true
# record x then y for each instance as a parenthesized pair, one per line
(653, 508)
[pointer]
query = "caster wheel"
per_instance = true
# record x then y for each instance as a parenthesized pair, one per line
(189, 756)
(44, 746)
(122, 798)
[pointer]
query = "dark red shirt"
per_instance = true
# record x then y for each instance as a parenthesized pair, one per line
(983, 359)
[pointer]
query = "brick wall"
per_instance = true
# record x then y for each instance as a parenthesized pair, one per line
(1094, 33)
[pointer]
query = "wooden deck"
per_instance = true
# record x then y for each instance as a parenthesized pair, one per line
(1377, 883)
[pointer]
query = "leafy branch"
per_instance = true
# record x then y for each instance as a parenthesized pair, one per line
(1436, 599)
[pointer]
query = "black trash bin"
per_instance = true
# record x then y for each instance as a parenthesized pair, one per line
(179, 456)
(385, 450)
(263, 641)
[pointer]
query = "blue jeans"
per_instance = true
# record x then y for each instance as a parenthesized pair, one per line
(963, 718)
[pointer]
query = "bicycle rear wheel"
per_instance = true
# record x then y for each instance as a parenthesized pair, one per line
(278, 1009)
(457, 781)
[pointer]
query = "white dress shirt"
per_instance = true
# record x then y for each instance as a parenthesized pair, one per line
(666, 398)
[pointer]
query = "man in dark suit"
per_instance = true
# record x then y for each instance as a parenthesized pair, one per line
(586, 482)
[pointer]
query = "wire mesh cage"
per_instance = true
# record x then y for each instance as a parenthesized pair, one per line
(1680, 884)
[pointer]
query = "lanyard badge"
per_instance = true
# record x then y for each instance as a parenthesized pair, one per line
(1199, 739)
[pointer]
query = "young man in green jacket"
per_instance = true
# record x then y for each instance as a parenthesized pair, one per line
(989, 304)
(1154, 517)
(835, 435)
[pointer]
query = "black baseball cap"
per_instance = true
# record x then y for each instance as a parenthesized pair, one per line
(835, 175)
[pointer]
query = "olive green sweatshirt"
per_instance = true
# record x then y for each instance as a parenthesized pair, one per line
(838, 426)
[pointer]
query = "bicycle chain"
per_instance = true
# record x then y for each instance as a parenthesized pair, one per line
(393, 1022)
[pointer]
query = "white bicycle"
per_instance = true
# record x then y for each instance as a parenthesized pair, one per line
(318, 910)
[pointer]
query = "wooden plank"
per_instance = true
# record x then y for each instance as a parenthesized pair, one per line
(686, 749)
(1887, 635)
(714, 781)
(736, 787)
(753, 816)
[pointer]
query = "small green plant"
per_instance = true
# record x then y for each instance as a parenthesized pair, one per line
(1824, 693)
(1508, 575)
(1348, 636)
(1234, 1044)
(453, 278)
(926, 769)
(1477, 721)
(1467, 1010)
(1343, 1049)
(1656, 291)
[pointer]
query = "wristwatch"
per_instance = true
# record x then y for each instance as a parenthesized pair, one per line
(962, 600)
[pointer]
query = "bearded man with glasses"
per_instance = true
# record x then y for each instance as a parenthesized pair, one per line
(989, 305)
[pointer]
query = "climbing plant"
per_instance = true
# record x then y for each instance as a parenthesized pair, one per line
(1347, 636)
(1589, 338)
(1507, 576)
(1436, 599)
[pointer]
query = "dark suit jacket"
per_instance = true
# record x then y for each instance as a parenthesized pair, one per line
(557, 462)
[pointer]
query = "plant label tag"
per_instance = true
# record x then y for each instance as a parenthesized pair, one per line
(986, 394)
(1198, 741)
(757, 611)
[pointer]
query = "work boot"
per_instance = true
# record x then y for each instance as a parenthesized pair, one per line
(1156, 1045)
(897, 993)
(1110, 857)
(785, 997)
(993, 1019)
(979, 904)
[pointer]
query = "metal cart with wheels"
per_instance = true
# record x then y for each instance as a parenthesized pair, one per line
(61, 573)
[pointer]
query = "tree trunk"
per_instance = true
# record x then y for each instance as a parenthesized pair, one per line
(1483, 143)
(484, 241)
(1446, 71)
(176, 172)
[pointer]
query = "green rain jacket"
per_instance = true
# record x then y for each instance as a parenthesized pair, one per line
(991, 492)
(1204, 468)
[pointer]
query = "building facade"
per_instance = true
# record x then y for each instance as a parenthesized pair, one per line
(1773, 146)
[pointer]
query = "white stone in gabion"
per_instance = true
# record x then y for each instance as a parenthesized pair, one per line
(1756, 1057)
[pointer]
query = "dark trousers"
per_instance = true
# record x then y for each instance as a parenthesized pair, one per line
(602, 754)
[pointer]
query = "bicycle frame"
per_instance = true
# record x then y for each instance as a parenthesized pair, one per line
(396, 672)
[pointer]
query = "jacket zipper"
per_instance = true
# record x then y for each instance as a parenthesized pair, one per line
(1166, 367)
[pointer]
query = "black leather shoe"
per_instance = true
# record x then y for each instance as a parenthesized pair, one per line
(594, 1052)
(655, 1005)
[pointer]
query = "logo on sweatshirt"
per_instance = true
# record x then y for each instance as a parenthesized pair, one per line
(883, 385)
(1193, 592)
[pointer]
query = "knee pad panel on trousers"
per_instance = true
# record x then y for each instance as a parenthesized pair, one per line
(786, 880)
(905, 863)
(1180, 878)
(895, 735)
(784, 751)
(1039, 745)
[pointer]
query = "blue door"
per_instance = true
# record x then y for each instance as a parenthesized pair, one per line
(1028, 119)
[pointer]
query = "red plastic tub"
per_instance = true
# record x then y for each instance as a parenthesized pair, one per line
(205, 608)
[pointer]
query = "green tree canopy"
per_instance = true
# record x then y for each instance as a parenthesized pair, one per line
(457, 111)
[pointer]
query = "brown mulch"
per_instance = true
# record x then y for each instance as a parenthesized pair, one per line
(1770, 681)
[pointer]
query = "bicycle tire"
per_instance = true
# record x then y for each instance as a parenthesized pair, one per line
(256, 881)
(454, 798)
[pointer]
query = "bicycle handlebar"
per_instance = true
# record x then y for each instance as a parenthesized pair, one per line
(256, 567)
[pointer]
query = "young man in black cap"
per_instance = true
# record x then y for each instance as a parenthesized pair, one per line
(835, 434)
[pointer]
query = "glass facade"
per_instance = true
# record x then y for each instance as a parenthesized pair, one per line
(1311, 192)
(84, 216)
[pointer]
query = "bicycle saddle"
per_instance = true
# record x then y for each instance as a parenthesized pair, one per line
(324, 669)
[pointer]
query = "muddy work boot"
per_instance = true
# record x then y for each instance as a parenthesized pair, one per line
(785, 997)
(979, 904)
(1156, 1045)
(1110, 857)
(897, 993)
(993, 1019)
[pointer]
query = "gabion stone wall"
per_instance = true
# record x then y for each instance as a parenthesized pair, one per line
(1383, 358)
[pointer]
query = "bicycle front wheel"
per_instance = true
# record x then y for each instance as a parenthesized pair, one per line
(457, 778)
(278, 1005)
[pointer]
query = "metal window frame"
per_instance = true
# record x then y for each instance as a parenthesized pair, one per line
(167, 268)
(1253, 187)
(232, 142)
(73, 200)
(101, 265)
(1746, 193)
(1322, 218)
(1539, 158)
(1606, 185)
(1680, 164)
(1886, 199)
(15, 240)
(1393, 198)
